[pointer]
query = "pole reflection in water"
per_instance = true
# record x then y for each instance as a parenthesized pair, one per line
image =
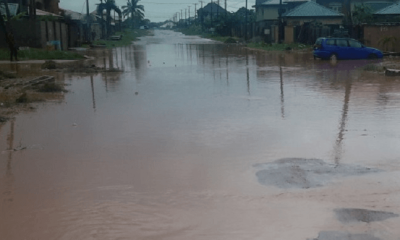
(338, 149)
(9, 182)
(227, 68)
(282, 95)
(92, 86)
(110, 59)
(247, 72)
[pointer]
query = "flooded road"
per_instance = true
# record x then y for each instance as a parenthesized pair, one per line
(201, 140)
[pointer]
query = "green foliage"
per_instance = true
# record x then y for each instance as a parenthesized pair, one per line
(135, 11)
(19, 16)
(279, 47)
(40, 54)
(386, 41)
(362, 14)
(108, 6)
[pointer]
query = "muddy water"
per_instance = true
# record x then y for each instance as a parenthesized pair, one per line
(188, 143)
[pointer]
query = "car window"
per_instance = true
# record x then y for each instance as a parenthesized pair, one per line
(355, 44)
(330, 42)
(319, 41)
(341, 42)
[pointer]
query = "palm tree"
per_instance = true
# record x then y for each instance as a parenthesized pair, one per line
(108, 5)
(134, 9)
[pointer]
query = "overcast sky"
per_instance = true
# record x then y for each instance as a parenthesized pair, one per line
(156, 10)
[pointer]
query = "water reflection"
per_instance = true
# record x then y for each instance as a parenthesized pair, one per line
(338, 149)
(92, 87)
(140, 61)
(9, 176)
(282, 94)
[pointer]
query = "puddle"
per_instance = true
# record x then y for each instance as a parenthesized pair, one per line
(331, 235)
(347, 215)
(305, 173)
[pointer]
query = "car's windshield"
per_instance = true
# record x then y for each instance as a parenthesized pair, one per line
(319, 41)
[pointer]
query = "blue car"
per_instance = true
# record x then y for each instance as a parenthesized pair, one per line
(343, 48)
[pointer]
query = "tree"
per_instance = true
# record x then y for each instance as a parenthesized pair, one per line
(108, 5)
(135, 10)
(362, 14)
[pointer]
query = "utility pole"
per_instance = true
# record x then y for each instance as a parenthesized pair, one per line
(202, 15)
(226, 12)
(185, 17)
(245, 36)
(195, 10)
(280, 22)
(189, 14)
(217, 9)
(89, 32)
(211, 13)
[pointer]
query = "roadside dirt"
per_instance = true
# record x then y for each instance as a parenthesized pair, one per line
(19, 89)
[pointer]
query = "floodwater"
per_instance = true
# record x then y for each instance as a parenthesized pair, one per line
(200, 140)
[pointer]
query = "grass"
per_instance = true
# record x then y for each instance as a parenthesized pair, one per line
(128, 36)
(40, 54)
(374, 68)
(279, 47)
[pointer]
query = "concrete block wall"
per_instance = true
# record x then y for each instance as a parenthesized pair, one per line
(374, 34)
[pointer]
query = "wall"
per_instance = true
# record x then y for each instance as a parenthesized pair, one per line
(53, 31)
(267, 13)
(35, 34)
(374, 34)
(289, 34)
(324, 21)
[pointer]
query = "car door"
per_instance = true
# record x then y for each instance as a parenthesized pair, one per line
(356, 50)
(343, 48)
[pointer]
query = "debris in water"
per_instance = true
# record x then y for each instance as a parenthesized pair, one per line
(19, 148)
(3, 119)
(346, 215)
(305, 173)
(74, 124)
(49, 65)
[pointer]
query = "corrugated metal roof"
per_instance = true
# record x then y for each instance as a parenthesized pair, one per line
(393, 9)
(312, 9)
(377, 6)
(74, 15)
(284, 2)
(272, 2)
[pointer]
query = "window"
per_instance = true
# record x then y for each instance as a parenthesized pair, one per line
(341, 43)
(355, 44)
(330, 42)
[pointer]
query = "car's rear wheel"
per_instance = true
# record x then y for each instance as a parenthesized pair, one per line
(372, 56)
(333, 57)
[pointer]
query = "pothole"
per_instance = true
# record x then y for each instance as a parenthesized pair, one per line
(347, 215)
(305, 173)
(332, 235)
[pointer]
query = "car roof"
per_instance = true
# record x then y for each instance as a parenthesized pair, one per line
(347, 38)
